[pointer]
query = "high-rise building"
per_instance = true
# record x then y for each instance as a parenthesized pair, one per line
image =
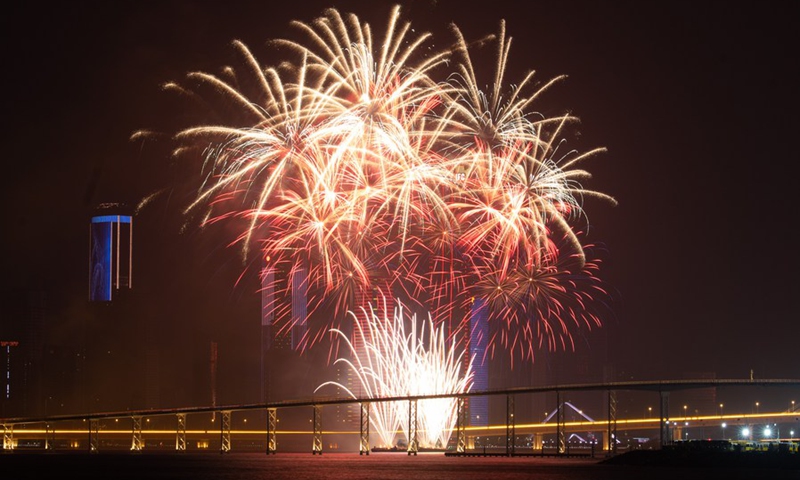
(114, 328)
(478, 338)
(299, 307)
(375, 300)
(284, 324)
(8, 350)
(110, 252)
(23, 321)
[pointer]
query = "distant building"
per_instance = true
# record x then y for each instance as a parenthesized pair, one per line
(22, 346)
(110, 252)
(8, 350)
(478, 338)
(379, 301)
(117, 373)
(284, 325)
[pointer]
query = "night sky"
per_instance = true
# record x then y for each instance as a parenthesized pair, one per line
(696, 103)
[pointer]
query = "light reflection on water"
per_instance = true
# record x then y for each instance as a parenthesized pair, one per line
(344, 466)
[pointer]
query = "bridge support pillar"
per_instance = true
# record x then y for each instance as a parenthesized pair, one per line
(49, 436)
(136, 434)
(612, 422)
(413, 445)
(8, 437)
(94, 434)
(363, 447)
(510, 426)
(272, 428)
(461, 421)
(316, 441)
(561, 427)
(665, 437)
(225, 432)
(180, 433)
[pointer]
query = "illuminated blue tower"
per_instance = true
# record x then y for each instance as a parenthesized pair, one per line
(478, 336)
(112, 321)
(110, 253)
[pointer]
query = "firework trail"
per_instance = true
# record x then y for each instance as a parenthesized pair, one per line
(397, 356)
(381, 162)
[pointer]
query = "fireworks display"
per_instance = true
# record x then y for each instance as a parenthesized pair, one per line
(381, 162)
(391, 360)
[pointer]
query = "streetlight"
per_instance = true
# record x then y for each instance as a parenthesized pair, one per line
(757, 408)
(684, 410)
(746, 433)
(721, 412)
(723, 429)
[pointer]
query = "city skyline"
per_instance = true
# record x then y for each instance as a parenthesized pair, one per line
(702, 285)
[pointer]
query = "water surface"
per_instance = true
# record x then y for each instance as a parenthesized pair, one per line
(344, 466)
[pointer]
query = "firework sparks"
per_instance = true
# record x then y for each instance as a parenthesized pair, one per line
(562, 292)
(356, 162)
(390, 360)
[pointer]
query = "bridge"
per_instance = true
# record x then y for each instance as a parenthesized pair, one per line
(86, 431)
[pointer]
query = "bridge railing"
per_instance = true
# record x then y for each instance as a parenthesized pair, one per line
(97, 425)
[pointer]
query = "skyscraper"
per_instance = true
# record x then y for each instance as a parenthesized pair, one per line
(478, 338)
(375, 300)
(8, 379)
(113, 331)
(284, 324)
(110, 252)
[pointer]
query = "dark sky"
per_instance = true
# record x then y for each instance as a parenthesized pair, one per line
(696, 103)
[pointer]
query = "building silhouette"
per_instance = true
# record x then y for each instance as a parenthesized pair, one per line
(284, 327)
(22, 343)
(115, 374)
